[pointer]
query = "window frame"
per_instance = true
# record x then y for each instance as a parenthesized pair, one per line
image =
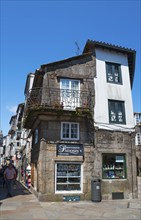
(81, 178)
(114, 169)
(72, 99)
(113, 65)
(116, 107)
(70, 124)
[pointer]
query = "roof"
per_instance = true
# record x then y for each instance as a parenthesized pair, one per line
(131, 54)
(21, 105)
(65, 60)
(12, 118)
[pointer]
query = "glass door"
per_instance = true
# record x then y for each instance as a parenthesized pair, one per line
(70, 93)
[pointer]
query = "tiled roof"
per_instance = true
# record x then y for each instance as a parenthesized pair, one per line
(107, 45)
(131, 54)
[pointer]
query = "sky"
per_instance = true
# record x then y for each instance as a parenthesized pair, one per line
(39, 32)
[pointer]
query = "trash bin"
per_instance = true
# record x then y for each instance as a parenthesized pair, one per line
(96, 190)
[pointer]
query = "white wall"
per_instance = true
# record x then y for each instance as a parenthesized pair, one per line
(105, 90)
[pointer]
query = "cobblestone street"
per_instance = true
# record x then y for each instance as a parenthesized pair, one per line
(25, 206)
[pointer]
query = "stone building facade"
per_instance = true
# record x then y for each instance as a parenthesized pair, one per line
(74, 141)
(137, 117)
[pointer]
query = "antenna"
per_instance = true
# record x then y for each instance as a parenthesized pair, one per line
(78, 51)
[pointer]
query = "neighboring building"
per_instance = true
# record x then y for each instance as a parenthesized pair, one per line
(1, 147)
(6, 148)
(13, 139)
(80, 113)
(11, 134)
(137, 117)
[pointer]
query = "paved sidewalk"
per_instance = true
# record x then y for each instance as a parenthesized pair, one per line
(25, 206)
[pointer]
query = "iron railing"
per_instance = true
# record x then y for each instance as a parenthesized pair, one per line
(64, 98)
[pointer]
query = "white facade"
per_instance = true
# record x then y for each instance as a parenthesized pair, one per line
(105, 91)
(7, 146)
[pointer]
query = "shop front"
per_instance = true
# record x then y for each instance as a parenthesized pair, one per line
(64, 172)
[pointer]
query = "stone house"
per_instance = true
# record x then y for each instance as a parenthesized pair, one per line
(80, 114)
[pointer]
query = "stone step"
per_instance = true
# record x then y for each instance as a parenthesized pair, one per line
(135, 204)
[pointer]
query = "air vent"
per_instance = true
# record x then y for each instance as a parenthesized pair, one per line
(117, 195)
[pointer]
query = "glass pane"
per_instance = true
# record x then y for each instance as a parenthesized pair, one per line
(68, 187)
(109, 73)
(112, 112)
(74, 85)
(74, 130)
(114, 166)
(116, 73)
(74, 180)
(120, 112)
(65, 130)
(61, 180)
(64, 84)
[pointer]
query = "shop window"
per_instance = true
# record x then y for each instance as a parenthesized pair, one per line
(116, 112)
(69, 131)
(113, 71)
(114, 166)
(68, 177)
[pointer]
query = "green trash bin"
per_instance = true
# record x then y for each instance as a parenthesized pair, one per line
(96, 190)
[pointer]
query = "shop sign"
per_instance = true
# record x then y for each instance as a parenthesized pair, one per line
(70, 149)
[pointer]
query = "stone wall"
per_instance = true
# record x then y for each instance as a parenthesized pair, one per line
(105, 142)
(46, 172)
(116, 143)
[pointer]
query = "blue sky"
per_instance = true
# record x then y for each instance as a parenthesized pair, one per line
(38, 32)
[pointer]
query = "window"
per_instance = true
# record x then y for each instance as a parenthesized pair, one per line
(138, 138)
(68, 177)
(116, 112)
(70, 93)
(69, 131)
(114, 166)
(137, 119)
(113, 71)
(36, 136)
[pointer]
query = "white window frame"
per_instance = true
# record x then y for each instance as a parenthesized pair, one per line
(69, 138)
(70, 102)
(81, 179)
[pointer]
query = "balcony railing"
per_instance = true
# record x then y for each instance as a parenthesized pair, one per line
(55, 98)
